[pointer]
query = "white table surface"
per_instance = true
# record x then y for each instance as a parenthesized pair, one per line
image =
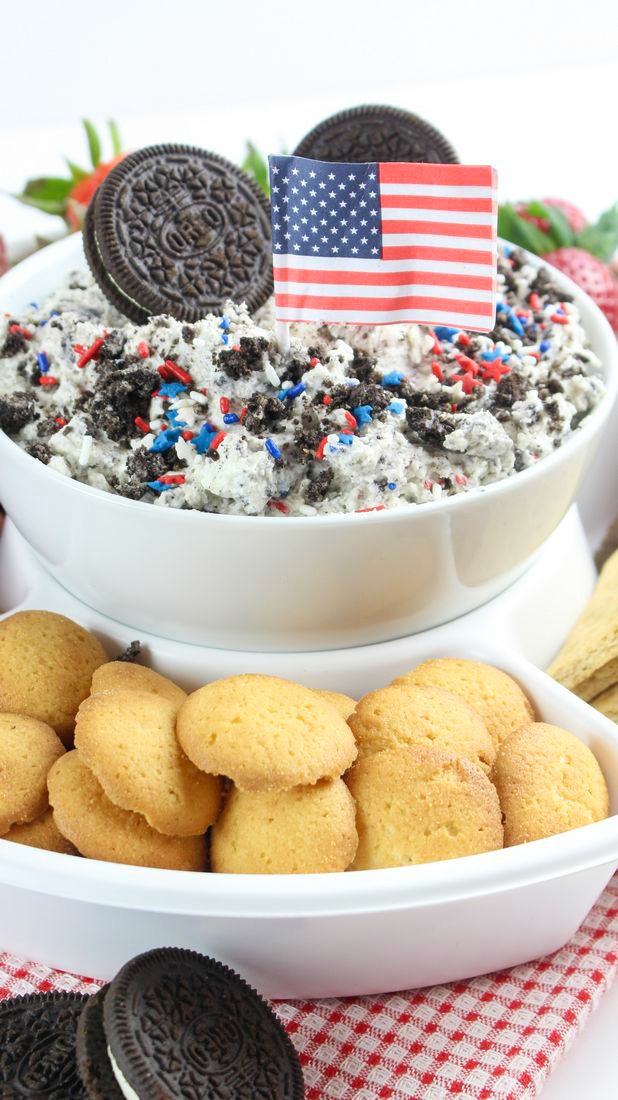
(482, 120)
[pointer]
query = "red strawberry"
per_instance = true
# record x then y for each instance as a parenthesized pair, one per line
(4, 263)
(594, 277)
(573, 215)
(82, 192)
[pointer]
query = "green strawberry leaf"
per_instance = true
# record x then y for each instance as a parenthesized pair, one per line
(601, 239)
(48, 189)
(48, 206)
(257, 166)
(94, 144)
(522, 233)
(115, 136)
(561, 231)
(77, 173)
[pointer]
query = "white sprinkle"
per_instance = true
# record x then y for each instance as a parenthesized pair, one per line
(84, 454)
(200, 398)
(184, 451)
(286, 385)
(271, 373)
(436, 491)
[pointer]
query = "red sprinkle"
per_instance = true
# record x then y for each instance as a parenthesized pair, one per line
(319, 454)
(142, 424)
(467, 364)
(558, 319)
(495, 371)
(453, 408)
(187, 435)
(224, 404)
(170, 369)
(352, 421)
(217, 441)
(428, 485)
(461, 479)
(91, 352)
(60, 421)
(437, 370)
(172, 479)
(79, 348)
(535, 301)
(243, 412)
(437, 346)
(327, 399)
(143, 350)
(21, 331)
(463, 339)
(280, 506)
(468, 382)
(313, 362)
(48, 380)
(235, 347)
(378, 508)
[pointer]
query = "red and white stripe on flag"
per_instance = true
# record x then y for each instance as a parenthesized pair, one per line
(438, 245)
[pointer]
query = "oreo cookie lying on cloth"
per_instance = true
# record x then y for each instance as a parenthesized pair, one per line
(376, 133)
(177, 230)
(37, 1047)
(176, 1025)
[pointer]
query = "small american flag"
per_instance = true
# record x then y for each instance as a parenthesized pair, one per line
(379, 244)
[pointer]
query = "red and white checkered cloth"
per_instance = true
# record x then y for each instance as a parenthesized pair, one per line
(492, 1037)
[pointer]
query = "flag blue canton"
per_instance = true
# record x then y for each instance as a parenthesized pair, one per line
(325, 210)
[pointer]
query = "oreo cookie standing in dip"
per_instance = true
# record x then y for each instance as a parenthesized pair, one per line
(37, 1047)
(376, 133)
(178, 230)
(175, 1024)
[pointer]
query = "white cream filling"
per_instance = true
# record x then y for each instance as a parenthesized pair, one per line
(123, 1084)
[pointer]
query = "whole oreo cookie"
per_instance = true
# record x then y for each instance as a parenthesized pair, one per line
(178, 1024)
(178, 230)
(37, 1047)
(376, 133)
(95, 1068)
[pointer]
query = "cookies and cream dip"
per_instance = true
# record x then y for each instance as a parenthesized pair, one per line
(210, 416)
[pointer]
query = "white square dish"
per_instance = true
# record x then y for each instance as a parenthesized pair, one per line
(339, 934)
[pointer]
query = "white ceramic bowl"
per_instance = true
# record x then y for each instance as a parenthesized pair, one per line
(331, 935)
(271, 584)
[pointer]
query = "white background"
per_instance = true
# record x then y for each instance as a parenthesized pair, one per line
(530, 87)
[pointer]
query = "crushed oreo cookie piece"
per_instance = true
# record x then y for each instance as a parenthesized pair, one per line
(13, 344)
(16, 410)
(120, 397)
(319, 485)
(428, 427)
(131, 653)
(263, 411)
(513, 387)
(40, 451)
(241, 361)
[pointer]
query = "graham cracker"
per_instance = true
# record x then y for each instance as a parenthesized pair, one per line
(588, 661)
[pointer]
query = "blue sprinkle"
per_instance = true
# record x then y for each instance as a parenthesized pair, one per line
(165, 440)
(347, 440)
(281, 395)
(272, 449)
(43, 362)
(203, 439)
(501, 307)
(515, 323)
(231, 418)
(396, 406)
(545, 345)
(224, 323)
(35, 305)
(393, 378)
(160, 486)
(362, 414)
(172, 416)
(295, 391)
(490, 356)
(172, 389)
(225, 338)
(392, 484)
(506, 250)
(444, 333)
(54, 313)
